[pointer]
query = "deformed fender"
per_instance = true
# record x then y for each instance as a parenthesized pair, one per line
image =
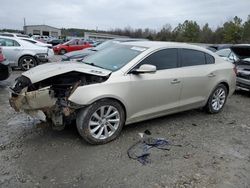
(86, 95)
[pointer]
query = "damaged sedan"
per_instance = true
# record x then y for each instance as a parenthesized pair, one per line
(124, 84)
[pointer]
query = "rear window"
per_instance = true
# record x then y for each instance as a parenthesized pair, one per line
(223, 52)
(192, 58)
(209, 59)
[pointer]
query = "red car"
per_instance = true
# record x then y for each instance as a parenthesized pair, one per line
(72, 45)
(4, 67)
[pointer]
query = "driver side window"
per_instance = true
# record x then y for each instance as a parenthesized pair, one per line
(163, 59)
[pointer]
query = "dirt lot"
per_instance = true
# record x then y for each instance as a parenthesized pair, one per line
(215, 151)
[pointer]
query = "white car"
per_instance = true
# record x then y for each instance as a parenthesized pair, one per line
(124, 84)
(36, 42)
(16, 35)
(23, 54)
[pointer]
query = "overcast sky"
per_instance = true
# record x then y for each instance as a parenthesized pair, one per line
(107, 14)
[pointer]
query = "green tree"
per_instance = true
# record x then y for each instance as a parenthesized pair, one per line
(233, 30)
(189, 31)
(246, 31)
(206, 34)
(165, 33)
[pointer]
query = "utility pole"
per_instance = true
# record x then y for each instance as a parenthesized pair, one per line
(24, 24)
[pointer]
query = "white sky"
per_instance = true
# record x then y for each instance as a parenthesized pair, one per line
(107, 14)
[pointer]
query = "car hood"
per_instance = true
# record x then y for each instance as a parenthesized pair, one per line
(241, 51)
(79, 53)
(48, 70)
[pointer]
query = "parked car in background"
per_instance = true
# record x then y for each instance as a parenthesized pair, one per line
(41, 38)
(240, 56)
(55, 42)
(72, 45)
(23, 54)
(36, 42)
(124, 84)
(16, 35)
(80, 54)
(241, 59)
(4, 67)
(227, 54)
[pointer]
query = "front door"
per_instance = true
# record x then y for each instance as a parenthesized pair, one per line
(156, 94)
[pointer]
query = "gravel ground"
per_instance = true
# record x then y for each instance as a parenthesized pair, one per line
(215, 151)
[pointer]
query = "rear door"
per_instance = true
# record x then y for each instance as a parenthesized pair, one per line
(198, 73)
(73, 45)
(155, 94)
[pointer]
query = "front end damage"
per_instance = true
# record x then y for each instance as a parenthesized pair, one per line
(50, 96)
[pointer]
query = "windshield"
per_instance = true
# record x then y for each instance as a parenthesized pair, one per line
(224, 52)
(105, 44)
(114, 57)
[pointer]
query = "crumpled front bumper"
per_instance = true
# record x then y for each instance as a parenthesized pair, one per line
(33, 100)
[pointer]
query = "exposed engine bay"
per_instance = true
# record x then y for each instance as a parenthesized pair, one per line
(51, 96)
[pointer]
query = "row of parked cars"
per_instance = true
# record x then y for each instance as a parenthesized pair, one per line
(26, 52)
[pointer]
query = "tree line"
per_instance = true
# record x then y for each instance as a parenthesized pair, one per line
(233, 31)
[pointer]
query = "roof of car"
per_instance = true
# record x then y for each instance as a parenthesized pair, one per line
(160, 44)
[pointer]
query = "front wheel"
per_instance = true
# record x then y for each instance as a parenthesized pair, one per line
(101, 122)
(217, 99)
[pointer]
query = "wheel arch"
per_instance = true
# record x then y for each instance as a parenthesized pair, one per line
(114, 99)
(223, 82)
(28, 55)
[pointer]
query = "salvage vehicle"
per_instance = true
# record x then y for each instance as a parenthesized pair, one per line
(23, 54)
(124, 84)
(72, 45)
(4, 67)
(240, 56)
(80, 54)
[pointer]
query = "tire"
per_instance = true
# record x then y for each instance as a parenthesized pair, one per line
(92, 117)
(215, 103)
(27, 62)
(62, 52)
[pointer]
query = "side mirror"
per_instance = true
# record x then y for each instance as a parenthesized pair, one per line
(146, 68)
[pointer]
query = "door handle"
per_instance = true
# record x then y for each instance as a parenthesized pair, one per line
(211, 75)
(175, 81)
(16, 49)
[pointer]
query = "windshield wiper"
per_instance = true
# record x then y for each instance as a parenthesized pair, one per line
(94, 65)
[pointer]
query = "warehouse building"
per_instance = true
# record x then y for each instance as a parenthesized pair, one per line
(43, 30)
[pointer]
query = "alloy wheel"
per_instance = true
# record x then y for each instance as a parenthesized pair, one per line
(104, 122)
(219, 98)
(28, 63)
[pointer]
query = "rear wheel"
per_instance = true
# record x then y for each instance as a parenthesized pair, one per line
(27, 62)
(217, 99)
(63, 51)
(101, 122)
